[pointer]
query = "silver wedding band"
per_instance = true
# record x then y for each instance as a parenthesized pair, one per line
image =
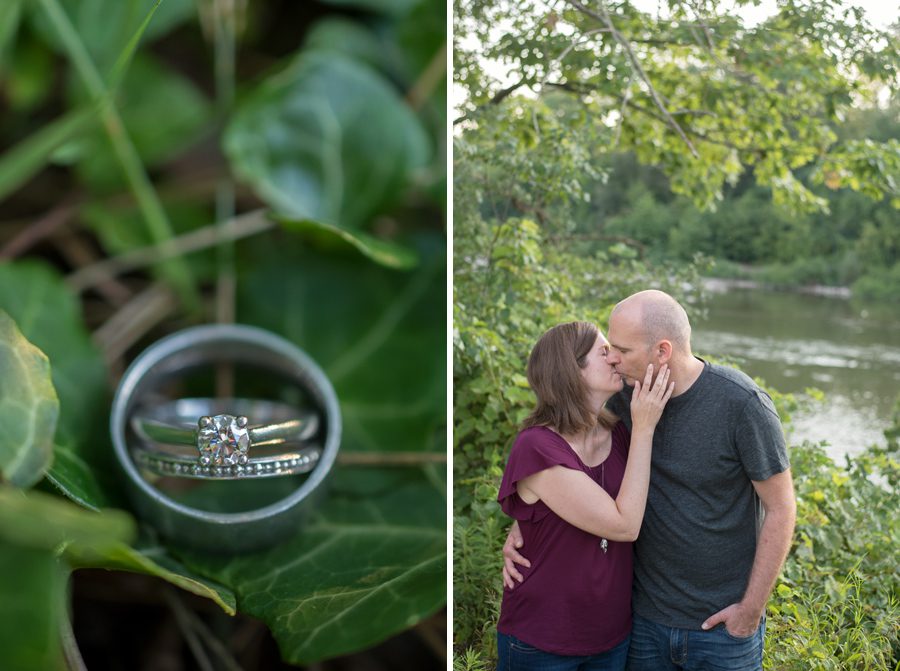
(262, 355)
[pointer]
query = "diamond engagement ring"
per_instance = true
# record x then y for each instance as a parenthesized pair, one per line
(223, 441)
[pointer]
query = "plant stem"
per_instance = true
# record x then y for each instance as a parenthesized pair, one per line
(247, 224)
(390, 458)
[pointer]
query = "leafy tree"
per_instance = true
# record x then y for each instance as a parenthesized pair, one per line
(693, 89)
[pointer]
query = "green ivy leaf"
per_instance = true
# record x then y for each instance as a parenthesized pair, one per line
(367, 566)
(353, 40)
(28, 407)
(48, 315)
(326, 139)
(152, 559)
(384, 252)
(44, 521)
(379, 337)
(73, 476)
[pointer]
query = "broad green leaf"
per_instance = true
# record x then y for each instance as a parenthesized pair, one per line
(32, 591)
(73, 476)
(369, 565)
(28, 408)
(25, 159)
(44, 521)
(107, 26)
(153, 560)
(383, 252)
(355, 41)
(326, 139)
(48, 315)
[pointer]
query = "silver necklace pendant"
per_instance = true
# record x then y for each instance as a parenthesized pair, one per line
(604, 545)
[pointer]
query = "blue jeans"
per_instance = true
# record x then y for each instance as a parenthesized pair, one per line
(514, 655)
(655, 647)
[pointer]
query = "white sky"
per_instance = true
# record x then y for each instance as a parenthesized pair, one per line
(881, 13)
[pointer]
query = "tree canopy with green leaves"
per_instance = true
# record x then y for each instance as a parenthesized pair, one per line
(692, 88)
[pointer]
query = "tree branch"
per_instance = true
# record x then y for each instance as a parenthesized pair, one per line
(605, 18)
(581, 89)
(498, 97)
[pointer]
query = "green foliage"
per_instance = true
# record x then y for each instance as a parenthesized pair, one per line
(326, 139)
(856, 240)
(31, 586)
(838, 600)
(28, 407)
(33, 527)
(882, 284)
(693, 90)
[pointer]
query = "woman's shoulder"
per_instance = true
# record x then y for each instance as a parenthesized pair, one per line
(534, 436)
(540, 440)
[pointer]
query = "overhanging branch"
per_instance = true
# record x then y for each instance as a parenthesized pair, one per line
(604, 17)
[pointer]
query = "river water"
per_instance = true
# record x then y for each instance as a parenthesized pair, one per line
(848, 350)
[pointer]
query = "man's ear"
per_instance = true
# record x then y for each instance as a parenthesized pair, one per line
(663, 352)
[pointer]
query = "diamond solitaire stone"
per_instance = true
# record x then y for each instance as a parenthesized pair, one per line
(224, 439)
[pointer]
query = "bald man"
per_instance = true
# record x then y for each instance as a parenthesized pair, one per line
(720, 511)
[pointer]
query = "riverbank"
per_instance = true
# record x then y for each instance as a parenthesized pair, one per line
(723, 284)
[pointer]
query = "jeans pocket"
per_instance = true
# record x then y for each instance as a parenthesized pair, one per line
(522, 647)
(742, 639)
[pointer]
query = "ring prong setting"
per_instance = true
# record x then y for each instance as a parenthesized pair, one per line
(242, 421)
(204, 421)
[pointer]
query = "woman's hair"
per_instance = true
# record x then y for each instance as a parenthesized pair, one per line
(554, 373)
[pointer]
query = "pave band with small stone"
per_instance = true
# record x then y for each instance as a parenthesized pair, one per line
(294, 462)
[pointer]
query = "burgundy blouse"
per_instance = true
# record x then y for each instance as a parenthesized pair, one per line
(576, 598)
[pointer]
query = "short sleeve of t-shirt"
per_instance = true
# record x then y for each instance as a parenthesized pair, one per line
(759, 438)
(535, 449)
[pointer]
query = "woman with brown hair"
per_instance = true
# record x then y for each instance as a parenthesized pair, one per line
(576, 483)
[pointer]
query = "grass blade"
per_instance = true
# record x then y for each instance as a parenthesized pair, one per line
(24, 160)
(176, 270)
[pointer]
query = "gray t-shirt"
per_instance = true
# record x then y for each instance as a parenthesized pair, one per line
(698, 538)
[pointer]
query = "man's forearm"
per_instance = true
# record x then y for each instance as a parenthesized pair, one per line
(771, 550)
